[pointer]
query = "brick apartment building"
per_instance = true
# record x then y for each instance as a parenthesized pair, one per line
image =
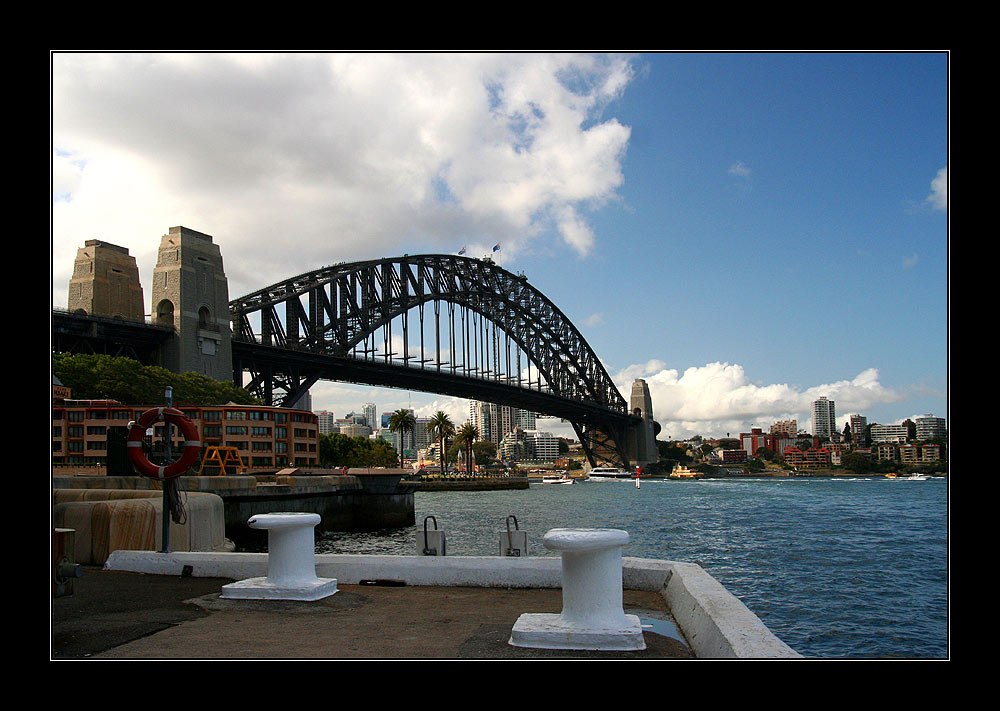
(267, 438)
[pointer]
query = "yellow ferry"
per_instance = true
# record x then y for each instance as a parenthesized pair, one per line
(681, 472)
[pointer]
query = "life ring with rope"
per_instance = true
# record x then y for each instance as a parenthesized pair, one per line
(170, 415)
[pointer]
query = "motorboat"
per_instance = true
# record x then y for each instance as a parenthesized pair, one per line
(556, 479)
(610, 474)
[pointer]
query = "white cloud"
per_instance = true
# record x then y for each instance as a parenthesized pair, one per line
(939, 190)
(718, 398)
(331, 156)
(739, 169)
(595, 319)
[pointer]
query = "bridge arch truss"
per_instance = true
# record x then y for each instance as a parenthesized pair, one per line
(437, 323)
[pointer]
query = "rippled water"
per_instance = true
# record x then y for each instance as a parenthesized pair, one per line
(837, 568)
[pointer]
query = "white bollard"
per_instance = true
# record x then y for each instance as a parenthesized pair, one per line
(291, 561)
(592, 616)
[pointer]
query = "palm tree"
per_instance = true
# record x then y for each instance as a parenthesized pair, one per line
(401, 422)
(467, 434)
(441, 427)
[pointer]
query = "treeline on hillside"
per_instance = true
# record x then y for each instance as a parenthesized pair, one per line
(101, 377)
(338, 450)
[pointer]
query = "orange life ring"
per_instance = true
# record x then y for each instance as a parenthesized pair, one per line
(137, 430)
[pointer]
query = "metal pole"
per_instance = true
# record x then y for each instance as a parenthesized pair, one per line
(167, 446)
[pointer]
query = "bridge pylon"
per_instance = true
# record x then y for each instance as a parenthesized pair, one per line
(190, 292)
(642, 433)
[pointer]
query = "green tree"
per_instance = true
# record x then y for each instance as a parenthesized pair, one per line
(93, 377)
(340, 450)
(466, 437)
(441, 428)
(402, 421)
(857, 462)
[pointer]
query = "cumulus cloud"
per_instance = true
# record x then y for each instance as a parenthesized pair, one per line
(332, 156)
(719, 398)
(939, 190)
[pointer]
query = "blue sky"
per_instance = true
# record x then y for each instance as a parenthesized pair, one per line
(745, 231)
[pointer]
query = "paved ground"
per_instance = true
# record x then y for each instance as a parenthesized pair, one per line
(119, 615)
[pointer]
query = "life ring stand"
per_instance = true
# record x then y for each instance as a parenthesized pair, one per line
(192, 445)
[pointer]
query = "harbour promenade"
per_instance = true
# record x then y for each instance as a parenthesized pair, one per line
(123, 615)
(149, 605)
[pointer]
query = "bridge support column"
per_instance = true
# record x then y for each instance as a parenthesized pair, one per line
(190, 292)
(642, 434)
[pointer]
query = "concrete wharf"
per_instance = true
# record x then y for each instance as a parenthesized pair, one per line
(150, 605)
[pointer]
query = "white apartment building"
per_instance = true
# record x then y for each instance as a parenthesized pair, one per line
(370, 417)
(824, 418)
(521, 445)
(325, 420)
(889, 433)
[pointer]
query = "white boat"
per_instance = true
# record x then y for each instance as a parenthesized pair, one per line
(915, 477)
(609, 474)
(556, 479)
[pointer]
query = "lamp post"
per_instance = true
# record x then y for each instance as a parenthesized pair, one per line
(167, 446)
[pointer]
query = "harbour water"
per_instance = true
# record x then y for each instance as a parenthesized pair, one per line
(837, 568)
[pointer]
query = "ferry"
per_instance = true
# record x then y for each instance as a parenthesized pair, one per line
(556, 479)
(609, 474)
(681, 472)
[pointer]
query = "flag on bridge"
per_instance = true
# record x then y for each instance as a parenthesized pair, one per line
(462, 250)
(496, 247)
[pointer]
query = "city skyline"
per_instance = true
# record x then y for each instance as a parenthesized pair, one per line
(745, 231)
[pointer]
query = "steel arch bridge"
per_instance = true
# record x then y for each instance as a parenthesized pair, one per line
(436, 323)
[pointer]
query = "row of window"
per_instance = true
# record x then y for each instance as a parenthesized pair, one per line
(202, 415)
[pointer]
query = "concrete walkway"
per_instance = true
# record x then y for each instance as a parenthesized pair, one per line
(128, 615)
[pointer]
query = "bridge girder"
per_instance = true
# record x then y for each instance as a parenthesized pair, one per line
(325, 325)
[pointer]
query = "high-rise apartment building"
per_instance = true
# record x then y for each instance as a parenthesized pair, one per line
(929, 427)
(370, 419)
(492, 420)
(325, 421)
(858, 425)
(824, 418)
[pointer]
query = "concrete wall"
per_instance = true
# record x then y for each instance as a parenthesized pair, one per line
(107, 520)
